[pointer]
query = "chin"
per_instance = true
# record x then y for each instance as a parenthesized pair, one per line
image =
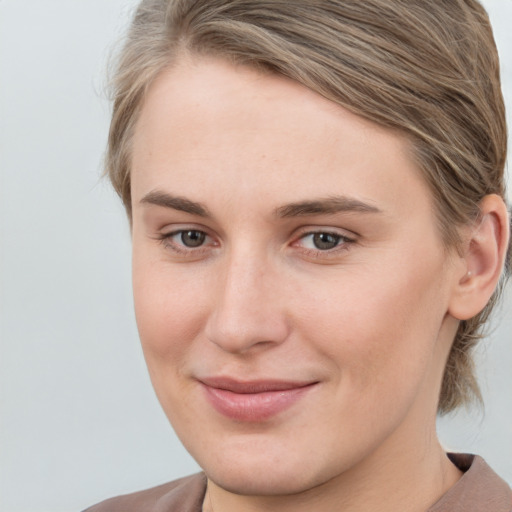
(259, 466)
(253, 480)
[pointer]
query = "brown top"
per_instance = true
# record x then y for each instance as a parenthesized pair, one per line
(479, 490)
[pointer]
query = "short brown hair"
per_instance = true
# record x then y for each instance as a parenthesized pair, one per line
(427, 69)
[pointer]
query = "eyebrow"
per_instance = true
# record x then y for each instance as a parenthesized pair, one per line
(181, 204)
(329, 205)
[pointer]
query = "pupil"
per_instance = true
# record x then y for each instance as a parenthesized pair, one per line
(192, 238)
(325, 241)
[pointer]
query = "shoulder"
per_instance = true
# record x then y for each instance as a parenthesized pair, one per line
(185, 495)
(480, 488)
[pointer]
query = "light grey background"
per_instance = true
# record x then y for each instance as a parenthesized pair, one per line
(79, 421)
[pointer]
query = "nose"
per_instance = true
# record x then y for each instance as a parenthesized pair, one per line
(247, 306)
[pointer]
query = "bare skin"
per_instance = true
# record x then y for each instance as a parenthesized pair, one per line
(280, 241)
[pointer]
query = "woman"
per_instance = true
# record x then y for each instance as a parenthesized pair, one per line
(316, 197)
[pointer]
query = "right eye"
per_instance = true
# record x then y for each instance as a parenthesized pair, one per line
(186, 241)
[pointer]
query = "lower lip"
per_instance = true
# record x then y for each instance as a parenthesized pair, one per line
(253, 407)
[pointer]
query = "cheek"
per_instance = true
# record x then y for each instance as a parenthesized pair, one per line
(167, 309)
(379, 327)
(168, 315)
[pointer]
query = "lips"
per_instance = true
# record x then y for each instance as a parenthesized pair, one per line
(253, 401)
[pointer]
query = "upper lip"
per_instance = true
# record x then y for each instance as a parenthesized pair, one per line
(253, 386)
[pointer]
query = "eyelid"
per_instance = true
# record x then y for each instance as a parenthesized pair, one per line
(347, 239)
(179, 227)
(312, 230)
(165, 237)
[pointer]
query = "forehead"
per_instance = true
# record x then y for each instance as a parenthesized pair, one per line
(206, 123)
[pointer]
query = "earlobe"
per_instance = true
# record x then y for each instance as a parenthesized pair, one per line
(484, 257)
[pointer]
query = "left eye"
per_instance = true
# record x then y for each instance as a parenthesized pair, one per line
(322, 241)
(192, 238)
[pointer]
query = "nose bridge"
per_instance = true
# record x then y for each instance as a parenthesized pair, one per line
(247, 309)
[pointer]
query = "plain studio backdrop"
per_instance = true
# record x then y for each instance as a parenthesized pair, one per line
(79, 421)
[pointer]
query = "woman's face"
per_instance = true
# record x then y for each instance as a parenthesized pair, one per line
(291, 289)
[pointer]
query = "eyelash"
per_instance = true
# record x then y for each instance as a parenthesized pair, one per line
(166, 239)
(343, 243)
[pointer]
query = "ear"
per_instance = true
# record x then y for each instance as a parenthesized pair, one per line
(484, 257)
